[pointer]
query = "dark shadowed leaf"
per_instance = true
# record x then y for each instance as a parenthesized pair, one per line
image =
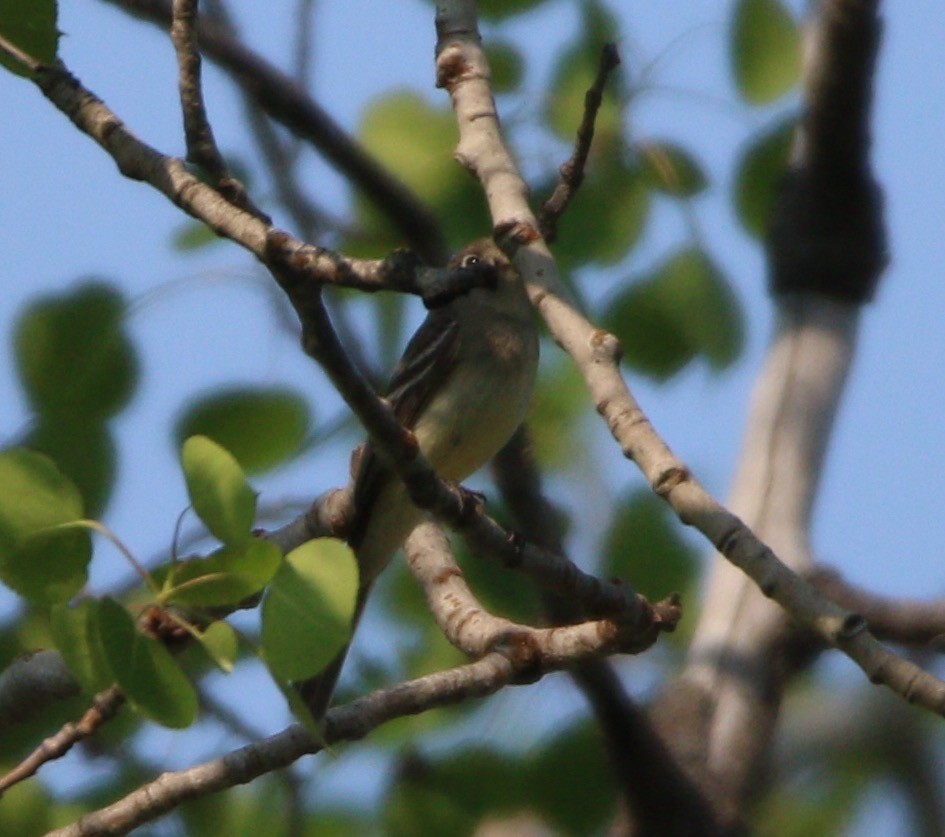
(42, 563)
(759, 174)
(149, 676)
(643, 546)
(84, 451)
(765, 49)
(262, 427)
(31, 26)
(218, 491)
(506, 66)
(75, 632)
(73, 358)
(683, 309)
(306, 615)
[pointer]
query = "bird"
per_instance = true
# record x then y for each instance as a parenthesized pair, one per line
(463, 386)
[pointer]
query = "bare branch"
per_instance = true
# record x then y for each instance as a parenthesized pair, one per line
(572, 170)
(463, 70)
(473, 630)
(913, 622)
(349, 722)
(105, 706)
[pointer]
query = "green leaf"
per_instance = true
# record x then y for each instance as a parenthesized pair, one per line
(643, 546)
(572, 807)
(44, 564)
(307, 612)
(262, 427)
(218, 491)
(574, 74)
(147, 673)
(766, 50)
(32, 27)
(228, 576)
(506, 66)
(84, 451)
(417, 141)
(73, 358)
(683, 309)
(75, 632)
(554, 418)
(193, 235)
(220, 644)
(759, 173)
(606, 217)
(672, 169)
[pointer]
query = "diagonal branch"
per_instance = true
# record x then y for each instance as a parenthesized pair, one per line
(104, 707)
(286, 102)
(463, 70)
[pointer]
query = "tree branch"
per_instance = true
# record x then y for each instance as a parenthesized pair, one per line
(201, 146)
(572, 170)
(286, 102)
(105, 706)
(463, 70)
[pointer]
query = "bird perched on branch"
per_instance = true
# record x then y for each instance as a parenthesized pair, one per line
(463, 386)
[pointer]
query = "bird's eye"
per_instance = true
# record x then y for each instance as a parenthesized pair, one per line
(470, 261)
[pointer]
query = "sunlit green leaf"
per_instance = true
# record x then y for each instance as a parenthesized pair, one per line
(75, 631)
(417, 141)
(672, 169)
(220, 643)
(194, 235)
(766, 50)
(228, 576)
(147, 673)
(73, 358)
(308, 608)
(582, 807)
(31, 26)
(643, 546)
(759, 174)
(41, 563)
(218, 491)
(261, 427)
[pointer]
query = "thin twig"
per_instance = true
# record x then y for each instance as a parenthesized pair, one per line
(572, 170)
(105, 706)
(202, 148)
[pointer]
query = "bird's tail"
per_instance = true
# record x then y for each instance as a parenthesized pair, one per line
(317, 691)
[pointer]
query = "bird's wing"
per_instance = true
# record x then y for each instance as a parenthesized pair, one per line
(427, 362)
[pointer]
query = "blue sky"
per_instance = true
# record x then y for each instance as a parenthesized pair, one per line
(65, 212)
